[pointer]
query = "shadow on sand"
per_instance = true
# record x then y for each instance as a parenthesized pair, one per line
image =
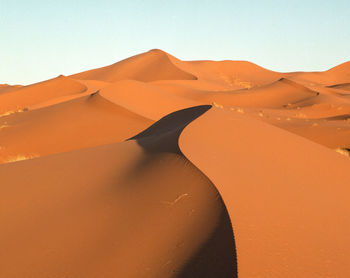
(217, 256)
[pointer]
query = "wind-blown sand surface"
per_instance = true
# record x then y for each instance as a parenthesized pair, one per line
(157, 167)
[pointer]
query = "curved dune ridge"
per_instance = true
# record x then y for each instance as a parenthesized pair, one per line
(157, 167)
(278, 94)
(230, 74)
(23, 97)
(144, 98)
(150, 66)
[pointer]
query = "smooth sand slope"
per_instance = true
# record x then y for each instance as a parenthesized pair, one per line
(288, 205)
(337, 75)
(150, 66)
(20, 99)
(145, 99)
(80, 123)
(157, 167)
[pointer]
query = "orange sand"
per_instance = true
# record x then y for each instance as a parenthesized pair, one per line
(157, 167)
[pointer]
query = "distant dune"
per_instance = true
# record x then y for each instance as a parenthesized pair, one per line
(156, 167)
(150, 66)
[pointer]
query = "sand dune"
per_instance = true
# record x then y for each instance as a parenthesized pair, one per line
(145, 99)
(79, 123)
(290, 216)
(33, 94)
(278, 94)
(157, 167)
(112, 193)
(333, 76)
(231, 74)
(150, 66)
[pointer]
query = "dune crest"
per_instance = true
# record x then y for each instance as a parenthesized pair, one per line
(144, 99)
(33, 94)
(150, 66)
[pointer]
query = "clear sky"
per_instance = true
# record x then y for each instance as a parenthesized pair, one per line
(40, 39)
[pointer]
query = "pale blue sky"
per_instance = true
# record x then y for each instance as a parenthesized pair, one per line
(40, 39)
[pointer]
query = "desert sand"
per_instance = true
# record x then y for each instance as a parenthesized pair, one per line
(156, 167)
